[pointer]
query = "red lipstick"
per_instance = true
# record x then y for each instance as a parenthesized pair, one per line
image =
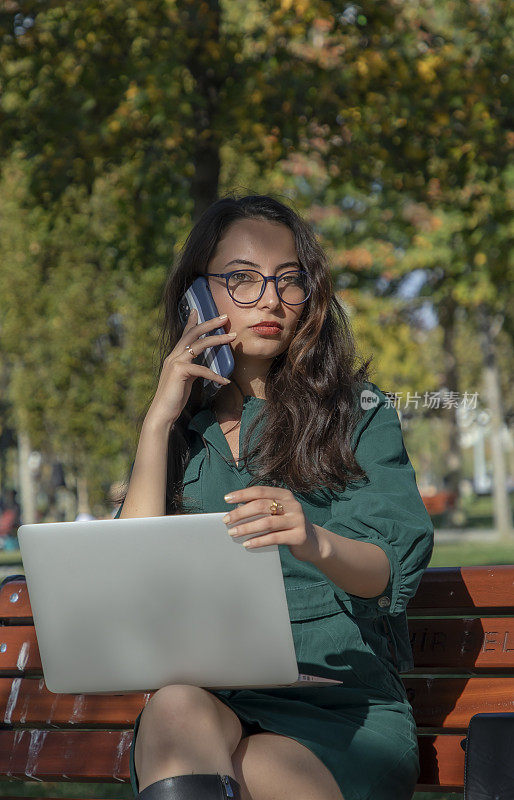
(267, 328)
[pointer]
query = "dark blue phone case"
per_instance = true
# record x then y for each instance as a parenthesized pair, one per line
(218, 358)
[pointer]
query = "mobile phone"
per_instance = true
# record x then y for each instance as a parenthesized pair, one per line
(219, 358)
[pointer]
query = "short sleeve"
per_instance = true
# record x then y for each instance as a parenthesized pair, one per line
(387, 510)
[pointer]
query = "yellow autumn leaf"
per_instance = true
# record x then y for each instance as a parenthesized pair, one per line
(362, 67)
(427, 67)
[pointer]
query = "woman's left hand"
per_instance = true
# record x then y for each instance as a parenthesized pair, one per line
(289, 526)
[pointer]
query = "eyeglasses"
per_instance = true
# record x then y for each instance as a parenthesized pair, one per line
(248, 285)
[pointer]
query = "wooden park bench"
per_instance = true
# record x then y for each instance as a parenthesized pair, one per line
(462, 631)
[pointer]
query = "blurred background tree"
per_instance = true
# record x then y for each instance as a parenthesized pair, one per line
(387, 125)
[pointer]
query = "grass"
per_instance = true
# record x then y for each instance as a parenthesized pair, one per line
(68, 789)
(474, 512)
(468, 554)
(8, 557)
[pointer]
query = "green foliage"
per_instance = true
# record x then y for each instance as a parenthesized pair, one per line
(71, 323)
(388, 126)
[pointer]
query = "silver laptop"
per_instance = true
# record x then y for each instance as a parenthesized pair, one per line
(124, 605)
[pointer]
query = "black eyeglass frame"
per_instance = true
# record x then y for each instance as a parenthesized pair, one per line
(274, 278)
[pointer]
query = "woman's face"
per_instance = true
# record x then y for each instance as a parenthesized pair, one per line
(271, 249)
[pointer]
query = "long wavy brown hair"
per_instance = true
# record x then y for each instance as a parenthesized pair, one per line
(311, 389)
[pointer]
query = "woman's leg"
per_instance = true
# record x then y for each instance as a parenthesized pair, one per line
(269, 766)
(183, 730)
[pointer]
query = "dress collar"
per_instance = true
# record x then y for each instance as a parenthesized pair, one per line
(205, 423)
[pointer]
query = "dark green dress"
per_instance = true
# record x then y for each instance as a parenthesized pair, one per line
(363, 730)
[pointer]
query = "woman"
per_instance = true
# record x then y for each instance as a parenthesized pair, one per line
(299, 435)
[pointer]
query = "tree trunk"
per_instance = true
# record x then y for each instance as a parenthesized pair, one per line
(209, 79)
(27, 489)
(489, 328)
(82, 496)
(451, 381)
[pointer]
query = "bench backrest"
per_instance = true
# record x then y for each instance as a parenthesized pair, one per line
(461, 624)
(462, 633)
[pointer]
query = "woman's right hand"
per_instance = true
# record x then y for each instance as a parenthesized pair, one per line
(179, 371)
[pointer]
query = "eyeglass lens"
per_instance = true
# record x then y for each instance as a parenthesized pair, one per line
(245, 286)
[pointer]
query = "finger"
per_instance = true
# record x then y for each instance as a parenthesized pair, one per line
(263, 525)
(192, 352)
(187, 357)
(202, 328)
(200, 345)
(248, 510)
(255, 492)
(198, 371)
(261, 541)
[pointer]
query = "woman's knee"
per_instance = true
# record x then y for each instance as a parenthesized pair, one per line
(180, 730)
(175, 709)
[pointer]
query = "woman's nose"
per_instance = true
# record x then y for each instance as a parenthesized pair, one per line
(269, 295)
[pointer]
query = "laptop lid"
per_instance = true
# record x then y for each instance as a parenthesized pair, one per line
(135, 604)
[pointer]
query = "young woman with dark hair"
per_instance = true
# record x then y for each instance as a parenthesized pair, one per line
(301, 435)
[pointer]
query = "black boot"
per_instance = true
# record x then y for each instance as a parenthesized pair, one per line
(193, 787)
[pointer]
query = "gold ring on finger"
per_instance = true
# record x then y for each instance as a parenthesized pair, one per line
(190, 350)
(276, 508)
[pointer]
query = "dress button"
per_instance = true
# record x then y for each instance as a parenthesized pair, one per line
(384, 602)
